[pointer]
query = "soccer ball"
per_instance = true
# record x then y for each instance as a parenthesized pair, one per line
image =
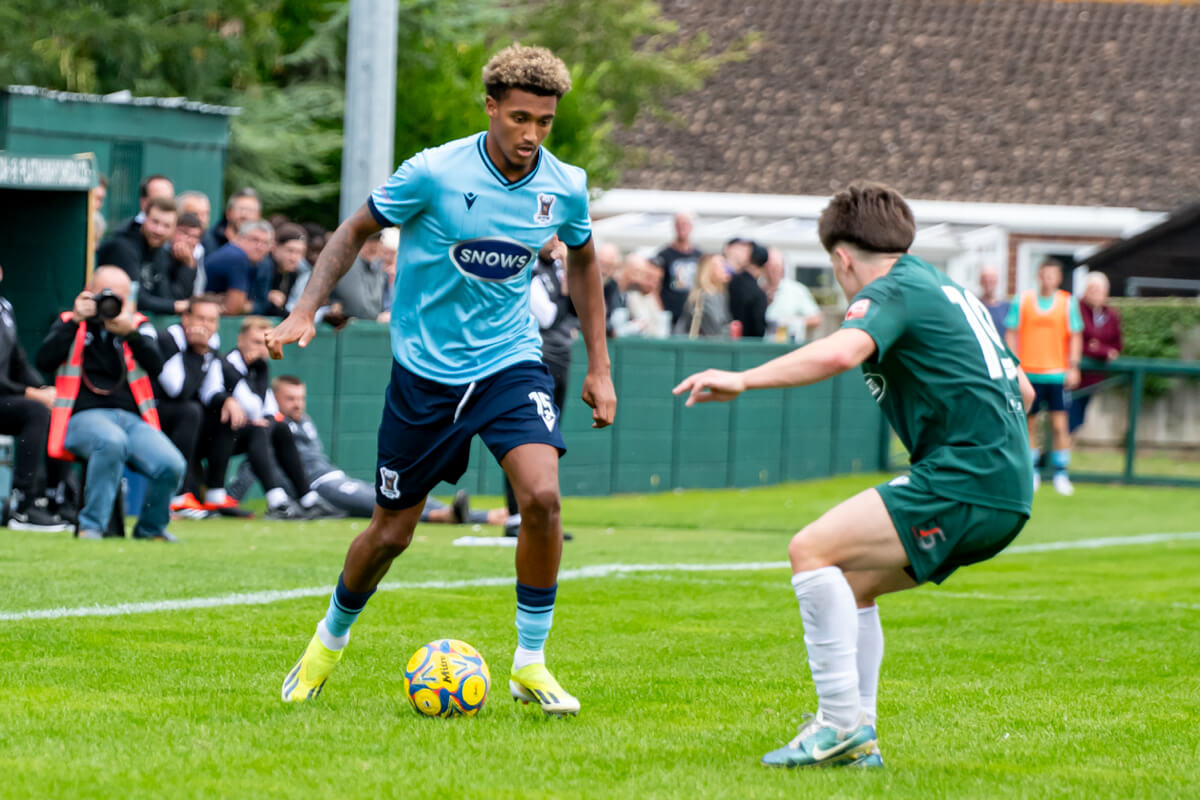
(447, 678)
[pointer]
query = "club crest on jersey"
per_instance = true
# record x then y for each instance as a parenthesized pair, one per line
(858, 309)
(491, 259)
(545, 205)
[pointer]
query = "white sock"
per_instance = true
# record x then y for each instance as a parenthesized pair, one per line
(276, 497)
(329, 640)
(310, 499)
(214, 496)
(831, 635)
(177, 499)
(870, 656)
(523, 657)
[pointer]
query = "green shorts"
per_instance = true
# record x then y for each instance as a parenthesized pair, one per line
(941, 535)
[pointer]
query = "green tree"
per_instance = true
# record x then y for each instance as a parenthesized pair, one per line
(283, 63)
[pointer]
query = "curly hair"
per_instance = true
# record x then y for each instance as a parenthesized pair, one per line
(532, 69)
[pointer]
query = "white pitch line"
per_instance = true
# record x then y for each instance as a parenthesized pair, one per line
(594, 571)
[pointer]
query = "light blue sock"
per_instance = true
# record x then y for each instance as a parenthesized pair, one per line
(344, 608)
(535, 615)
(1060, 459)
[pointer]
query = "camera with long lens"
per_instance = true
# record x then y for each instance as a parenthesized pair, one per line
(108, 304)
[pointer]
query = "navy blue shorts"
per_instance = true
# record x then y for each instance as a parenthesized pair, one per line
(1051, 395)
(425, 435)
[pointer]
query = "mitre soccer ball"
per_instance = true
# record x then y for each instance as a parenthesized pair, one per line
(447, 678)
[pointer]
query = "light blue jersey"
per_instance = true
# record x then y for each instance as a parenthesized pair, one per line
(468, 241)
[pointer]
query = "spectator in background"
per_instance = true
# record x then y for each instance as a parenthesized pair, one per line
(245, 376)
(1101, 341)
(993, 299)
(608, 260)
(352, 497)
(99, 223)
(316, 242)
(151, 186)
(747, 300)
(1045, 332)
(792, 314)
(636, 308)
(316, 236)
(197, 203)
(230, 269)
(711, 296)
(281, 266)
(105, 410)
(99, 192)
(359, 293)
(133, 249)
(243, 206)
(678, 262)
(390, 245)
(185, 386)
(172, 280)
(25, 403)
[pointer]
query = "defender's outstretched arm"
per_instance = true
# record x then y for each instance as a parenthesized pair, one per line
(842, 350)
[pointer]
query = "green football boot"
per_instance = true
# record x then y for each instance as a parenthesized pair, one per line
(818, 744)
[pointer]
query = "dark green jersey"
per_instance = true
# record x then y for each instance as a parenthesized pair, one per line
(947, 384)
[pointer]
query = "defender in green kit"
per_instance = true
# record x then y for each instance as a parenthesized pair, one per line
(956, 397)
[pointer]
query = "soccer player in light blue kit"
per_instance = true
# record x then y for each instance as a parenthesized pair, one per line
(467, 354)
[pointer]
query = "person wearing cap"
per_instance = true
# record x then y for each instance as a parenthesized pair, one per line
(747, 300)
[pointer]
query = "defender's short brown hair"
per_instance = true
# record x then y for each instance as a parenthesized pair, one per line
(1050, 262)
(286, 380)
(532, 69)
(870, 216)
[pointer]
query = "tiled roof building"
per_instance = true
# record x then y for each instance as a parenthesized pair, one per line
(1017, 101)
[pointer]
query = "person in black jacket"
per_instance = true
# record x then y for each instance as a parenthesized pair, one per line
(25, 403)
(264, 438)
(134, 249)
(171, 281)
(110, 407)
(188, 385)
(747, 300)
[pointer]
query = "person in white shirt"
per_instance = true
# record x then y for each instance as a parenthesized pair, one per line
(793, 315)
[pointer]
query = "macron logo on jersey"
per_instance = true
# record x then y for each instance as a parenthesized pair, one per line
(491, 259)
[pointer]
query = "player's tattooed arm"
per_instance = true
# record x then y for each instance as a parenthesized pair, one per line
(334, 262)
(587, 294)
(336, 258)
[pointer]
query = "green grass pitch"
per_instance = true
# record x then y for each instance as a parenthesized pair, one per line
(1059, 673)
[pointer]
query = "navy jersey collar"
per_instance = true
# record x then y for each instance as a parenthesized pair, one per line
(480, 145)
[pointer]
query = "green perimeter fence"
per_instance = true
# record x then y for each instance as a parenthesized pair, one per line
(656, 444)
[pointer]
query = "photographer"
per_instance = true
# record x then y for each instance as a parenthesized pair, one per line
(102, 351)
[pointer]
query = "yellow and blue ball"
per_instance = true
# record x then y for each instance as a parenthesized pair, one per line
(447, 678)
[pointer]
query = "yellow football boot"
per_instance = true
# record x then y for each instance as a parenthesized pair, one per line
(533, 683)
(308, 677)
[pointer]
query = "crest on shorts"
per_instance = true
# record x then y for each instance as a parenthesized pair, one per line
(545, 205)
(389, 483)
